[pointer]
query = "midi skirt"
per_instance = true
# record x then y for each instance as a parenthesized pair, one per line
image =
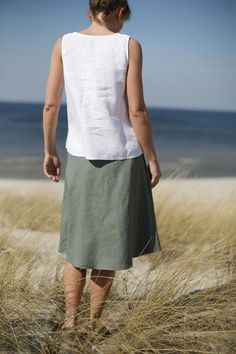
(107, 213)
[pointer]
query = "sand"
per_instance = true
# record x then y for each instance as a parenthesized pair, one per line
(187, 189)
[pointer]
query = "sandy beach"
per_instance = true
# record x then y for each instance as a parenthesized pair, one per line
(189, 190)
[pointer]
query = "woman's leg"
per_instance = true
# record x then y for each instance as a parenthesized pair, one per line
(100, 285)
(74, 282)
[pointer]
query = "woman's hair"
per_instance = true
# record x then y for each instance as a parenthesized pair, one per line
(107, 7)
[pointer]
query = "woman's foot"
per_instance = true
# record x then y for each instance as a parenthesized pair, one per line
(69, 323)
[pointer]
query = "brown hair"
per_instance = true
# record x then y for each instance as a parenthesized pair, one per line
(107, 7)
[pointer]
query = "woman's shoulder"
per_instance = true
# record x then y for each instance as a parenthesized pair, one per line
(134, 44)
(133, 40)
(67, 35)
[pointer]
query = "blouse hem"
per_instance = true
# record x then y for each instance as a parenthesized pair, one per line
(103, 157)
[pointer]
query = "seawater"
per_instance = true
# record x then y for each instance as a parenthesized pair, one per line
(194, 143)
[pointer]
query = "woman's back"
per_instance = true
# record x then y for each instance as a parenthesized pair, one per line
(95, 68)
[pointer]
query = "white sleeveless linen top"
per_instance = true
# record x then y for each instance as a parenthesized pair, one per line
(94, 70)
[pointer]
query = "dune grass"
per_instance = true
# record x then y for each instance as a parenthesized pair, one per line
(187, 306)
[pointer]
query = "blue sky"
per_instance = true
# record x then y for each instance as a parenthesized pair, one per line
(189, 49)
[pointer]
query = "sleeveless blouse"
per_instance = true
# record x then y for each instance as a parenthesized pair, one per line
(94, 69)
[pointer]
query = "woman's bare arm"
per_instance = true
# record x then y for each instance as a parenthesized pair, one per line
(54, 89)
(138, 113)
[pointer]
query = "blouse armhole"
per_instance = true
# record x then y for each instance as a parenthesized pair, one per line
(64, 46)
(127, 48)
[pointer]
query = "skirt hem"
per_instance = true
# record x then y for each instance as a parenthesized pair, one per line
(102, 266)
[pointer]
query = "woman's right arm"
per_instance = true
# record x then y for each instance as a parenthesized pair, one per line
(54, 89)
(138, 113)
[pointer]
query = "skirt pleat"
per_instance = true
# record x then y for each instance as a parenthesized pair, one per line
(107, 214)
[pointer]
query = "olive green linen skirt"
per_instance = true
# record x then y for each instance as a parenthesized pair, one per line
(107, 213)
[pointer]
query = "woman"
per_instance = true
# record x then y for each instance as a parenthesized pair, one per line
(107, 211)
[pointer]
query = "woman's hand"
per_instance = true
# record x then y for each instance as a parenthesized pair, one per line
(155, 172)
(52, 167)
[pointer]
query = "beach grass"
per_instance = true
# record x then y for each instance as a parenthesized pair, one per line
(184, 302)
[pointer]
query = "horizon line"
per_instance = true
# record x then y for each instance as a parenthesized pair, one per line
(149, 106)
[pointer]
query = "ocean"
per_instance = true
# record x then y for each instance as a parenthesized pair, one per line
(189, 143)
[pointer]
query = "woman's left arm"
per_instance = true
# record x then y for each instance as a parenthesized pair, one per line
(54, 89)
